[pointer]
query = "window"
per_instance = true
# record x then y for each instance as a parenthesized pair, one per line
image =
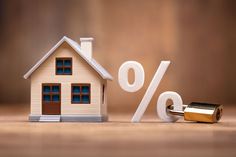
(103, 93)
(80, 93)
(63, 66)
(51, 93)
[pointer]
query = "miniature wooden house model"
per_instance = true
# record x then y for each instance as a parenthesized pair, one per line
(67, 84)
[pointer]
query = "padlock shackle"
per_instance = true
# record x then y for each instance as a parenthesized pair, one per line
(170, 110)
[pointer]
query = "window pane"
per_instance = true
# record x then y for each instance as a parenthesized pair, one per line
(85, 89)
(46, 97)
(63, 66)
(85, 98)
(59, 63)
(55, 88)
(55, 98)
(59, 70)
(67, 70)
(76, 98)
(67, 63)
(46, 89)
(76, 89)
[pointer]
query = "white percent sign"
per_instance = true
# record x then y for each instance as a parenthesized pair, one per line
(138, 83)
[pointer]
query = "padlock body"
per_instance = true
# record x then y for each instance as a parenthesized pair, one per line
(203, 112)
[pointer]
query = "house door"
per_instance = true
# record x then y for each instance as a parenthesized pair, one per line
(51, 99)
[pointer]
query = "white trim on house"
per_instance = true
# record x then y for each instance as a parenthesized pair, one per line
(92, 62)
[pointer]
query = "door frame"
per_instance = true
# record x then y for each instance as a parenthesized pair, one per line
(44, 104)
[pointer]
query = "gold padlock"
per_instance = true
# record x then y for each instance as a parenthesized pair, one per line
(200, 112)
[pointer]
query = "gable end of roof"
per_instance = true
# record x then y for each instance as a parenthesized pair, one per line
(96, 66)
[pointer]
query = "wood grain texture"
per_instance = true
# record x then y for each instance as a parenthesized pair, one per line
(197, 36)
(115, 138)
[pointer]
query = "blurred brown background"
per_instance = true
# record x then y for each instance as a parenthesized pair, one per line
(198, 36)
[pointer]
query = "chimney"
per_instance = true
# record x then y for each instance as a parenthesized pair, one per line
(86, 47)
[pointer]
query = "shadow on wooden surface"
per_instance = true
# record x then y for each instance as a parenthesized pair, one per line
(115, 138)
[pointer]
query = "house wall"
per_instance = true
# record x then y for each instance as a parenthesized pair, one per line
(81, 73)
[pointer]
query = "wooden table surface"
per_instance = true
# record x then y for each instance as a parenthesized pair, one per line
(115, 138)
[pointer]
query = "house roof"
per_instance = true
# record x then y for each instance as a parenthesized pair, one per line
(92, 62)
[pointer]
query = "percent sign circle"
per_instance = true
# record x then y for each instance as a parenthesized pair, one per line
(161, 103)
(138, 75)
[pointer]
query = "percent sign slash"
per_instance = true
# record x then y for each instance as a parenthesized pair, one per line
(138, 83)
